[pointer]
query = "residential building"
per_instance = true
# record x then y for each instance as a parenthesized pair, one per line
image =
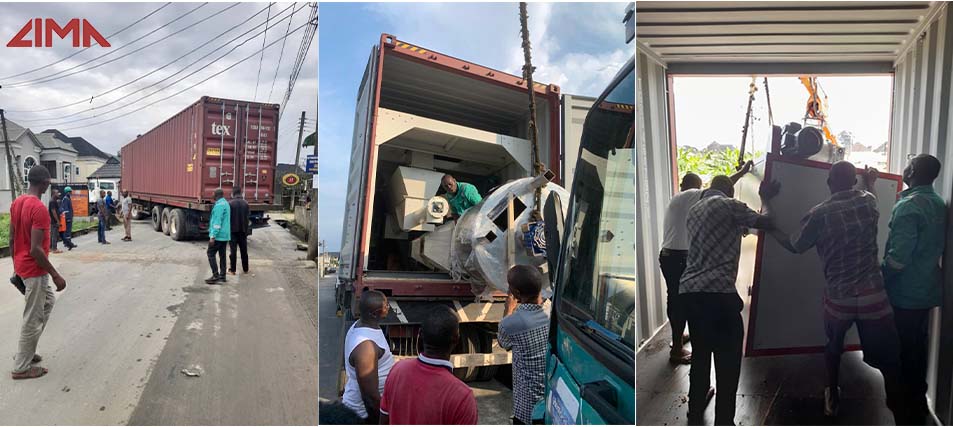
(29, 149)
(88, 159)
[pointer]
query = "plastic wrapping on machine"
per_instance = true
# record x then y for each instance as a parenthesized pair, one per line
(478, 251)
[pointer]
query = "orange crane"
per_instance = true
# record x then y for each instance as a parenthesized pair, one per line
(817, 106)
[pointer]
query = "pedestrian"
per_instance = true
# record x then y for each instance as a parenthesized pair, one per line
(219, 233)
(110, 210)
(29, 248)
(707, 291)
(241, 227)
(912, 276)
(102, 212)
(126, 212)
(66, 208)
(368, 358)
(674, 254)
(423, 390)
(54, 208)
(525, 330)
(844, 230)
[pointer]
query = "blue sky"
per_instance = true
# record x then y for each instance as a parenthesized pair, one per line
(578, 46)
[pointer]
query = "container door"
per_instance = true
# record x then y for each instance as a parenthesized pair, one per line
(574, 111)
(220, 134)
(258, 153)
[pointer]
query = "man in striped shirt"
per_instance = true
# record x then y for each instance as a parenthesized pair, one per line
(844, 230)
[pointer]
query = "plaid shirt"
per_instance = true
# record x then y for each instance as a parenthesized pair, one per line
(525, 331)
(844, 229)
(716, 224)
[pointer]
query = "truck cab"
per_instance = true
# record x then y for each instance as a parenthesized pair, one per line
(591, 366)
(95, 185)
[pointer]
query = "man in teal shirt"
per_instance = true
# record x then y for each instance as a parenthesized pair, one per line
(219, 233)
(461, 195)
(912, 272)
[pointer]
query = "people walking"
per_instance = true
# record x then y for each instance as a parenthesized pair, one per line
(54, 208)
(66, 208)
(126, 212)
(239, 210)
(219, 234)
(102, 212)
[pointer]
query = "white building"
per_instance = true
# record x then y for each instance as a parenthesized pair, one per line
(28, 150)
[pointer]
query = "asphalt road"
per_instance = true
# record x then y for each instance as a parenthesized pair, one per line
(494, 400)
(135, 314)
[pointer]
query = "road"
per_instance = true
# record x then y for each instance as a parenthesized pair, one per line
(494, 400)
(135, 314)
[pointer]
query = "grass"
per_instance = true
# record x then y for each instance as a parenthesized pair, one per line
(5, 228)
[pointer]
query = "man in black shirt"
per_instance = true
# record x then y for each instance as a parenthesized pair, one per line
(54, 208)
(240, 230)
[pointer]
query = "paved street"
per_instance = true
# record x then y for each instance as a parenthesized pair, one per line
(135, 314)
(494, 400)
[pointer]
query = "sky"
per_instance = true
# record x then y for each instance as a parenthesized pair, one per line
(713, 108)
(578, 46)
(108, 18)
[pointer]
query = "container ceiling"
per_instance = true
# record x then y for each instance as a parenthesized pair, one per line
(782, 31)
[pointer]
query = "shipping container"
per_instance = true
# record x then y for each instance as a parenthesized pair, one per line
(172, 171)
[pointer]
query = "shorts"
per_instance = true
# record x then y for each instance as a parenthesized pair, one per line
(873, 315)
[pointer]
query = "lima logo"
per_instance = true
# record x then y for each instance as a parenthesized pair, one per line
(220, 130)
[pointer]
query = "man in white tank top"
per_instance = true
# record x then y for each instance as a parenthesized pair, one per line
(367, 358)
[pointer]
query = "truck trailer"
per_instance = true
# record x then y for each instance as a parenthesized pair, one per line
(171, 172)
(422, 114)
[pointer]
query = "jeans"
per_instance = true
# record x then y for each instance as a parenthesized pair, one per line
(101, 230)
(217, 248)
(240, 241)
(913, 327)
(39, 304)
(68, 233)
(673, 264)
(54, 235)
(717, 330)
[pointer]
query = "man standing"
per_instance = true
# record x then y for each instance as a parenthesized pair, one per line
(460, 195)
(674, 254)
(110, 209)
(102, 212)
(912, 274)
(30, 247)
(525, 330)
(240, 228)
(424, 390)
(368, 358)
(54, 208)
(126, 212)
(707, 291)
(844, 230)
(219, 233)
(66, 208)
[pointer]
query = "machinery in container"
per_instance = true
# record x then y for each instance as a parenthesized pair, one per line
(171, 172)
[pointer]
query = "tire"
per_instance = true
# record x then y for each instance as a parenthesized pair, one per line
(486, 373)
(469, 344)
(135, 212)
(178, 225)
(156, 218)
(166, 218)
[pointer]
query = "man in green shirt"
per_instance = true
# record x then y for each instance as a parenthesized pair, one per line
(219, 233)
(912, 272)
(461, 195)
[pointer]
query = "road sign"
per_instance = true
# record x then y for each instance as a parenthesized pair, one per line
(311, 165)
(290, 180)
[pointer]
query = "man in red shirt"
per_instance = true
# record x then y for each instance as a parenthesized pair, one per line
(30, 246)
(424, 390)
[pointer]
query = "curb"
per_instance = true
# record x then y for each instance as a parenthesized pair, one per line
(5, 251)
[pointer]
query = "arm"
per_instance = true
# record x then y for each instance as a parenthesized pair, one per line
(364, 360)
(473, 195)
(741, 172)
(37, 235)
(869, 178)
(215, 223)
(502, 337)
(12, 230)
(901, 241)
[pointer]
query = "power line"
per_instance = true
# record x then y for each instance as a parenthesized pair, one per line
(302, 54)
(94, 43)
(280, 57)
(188, 88)
(160, 81)
(110, 52)
(90, 99)
(262, 58)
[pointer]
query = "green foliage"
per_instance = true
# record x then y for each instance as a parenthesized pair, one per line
(708, 164)
(5, 228)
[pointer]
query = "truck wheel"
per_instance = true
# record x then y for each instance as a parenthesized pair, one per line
(156, 218)
(178, 228)
(166, 218)
(135, 212)
(486, 373)
(469, 344)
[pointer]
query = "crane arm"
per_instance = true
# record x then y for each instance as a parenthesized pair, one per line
(817, 106)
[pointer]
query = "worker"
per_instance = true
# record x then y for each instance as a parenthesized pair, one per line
(126, 212)
(66, 208)
(368, 358)
(707, 291)
(525, 330)
(240, 226)
(30, 248)
(844, 230)
(423, 390)
(912, 277)
(102, 212)
(110, 210)
(674, 253)
(219, 234)
(460, 195)
(54, 208)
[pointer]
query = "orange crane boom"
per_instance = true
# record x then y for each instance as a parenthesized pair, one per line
(817, 106)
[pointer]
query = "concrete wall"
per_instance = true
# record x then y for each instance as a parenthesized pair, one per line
(923, 123)
(302, 216)
(86, 165)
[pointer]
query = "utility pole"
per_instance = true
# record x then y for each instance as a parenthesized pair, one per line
(294, 190)
(14, 182)
(313, 232)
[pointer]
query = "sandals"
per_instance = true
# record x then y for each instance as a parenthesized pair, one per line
(34, 372)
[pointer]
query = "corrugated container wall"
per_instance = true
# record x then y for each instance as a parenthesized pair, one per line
(653, 185)
(923, 123)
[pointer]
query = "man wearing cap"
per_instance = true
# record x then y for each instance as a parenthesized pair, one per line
(66, 208)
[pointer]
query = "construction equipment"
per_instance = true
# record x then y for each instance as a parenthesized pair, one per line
(817, 106)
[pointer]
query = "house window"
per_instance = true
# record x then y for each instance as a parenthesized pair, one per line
(50, 165)
(28, 164)
(67, 167)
